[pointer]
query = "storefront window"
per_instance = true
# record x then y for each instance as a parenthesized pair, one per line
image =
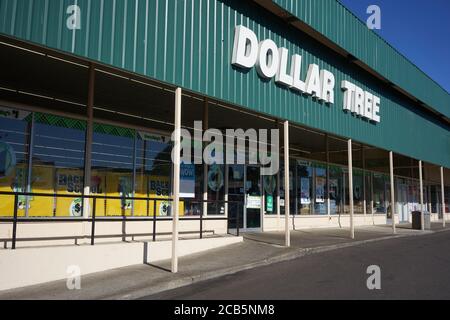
(193, 185)
(304, 188)
(14, 138)
(292, 187)
(413, 195)
(435, 199)
(320, 184)
(447, 198)
(112, 169)
(358, 191)
(335, 194)
(216, 189)
(58, 165)
(380, 203)
(236, 195)
(270, 194)
(368, 191)
(153, 174)
(191, 182)
(253, 192)
(215, 180)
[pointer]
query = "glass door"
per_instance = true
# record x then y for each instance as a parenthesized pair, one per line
(402, 202)
(236, 195)
(253, 203)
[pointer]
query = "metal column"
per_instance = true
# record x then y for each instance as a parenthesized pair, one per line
(176, 179)
(391, 173)
(443, 197)
(286, 184)
(88, 147)
(350, 188)
(422, 217)
(30, 163)
(205, 166)
(363, 159)
(327, 148)
(227, 176)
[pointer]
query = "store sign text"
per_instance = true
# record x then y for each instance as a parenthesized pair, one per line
(272, 62)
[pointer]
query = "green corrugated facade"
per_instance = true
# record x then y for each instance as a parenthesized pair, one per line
(338, 24)
(189, 43)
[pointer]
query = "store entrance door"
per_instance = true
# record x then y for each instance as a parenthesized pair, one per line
(402, 203)
(236, 196)
(253, 198)
(244, 194)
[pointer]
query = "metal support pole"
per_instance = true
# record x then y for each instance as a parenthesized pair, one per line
(363, 159)
(350, 188)
(278, 199)
(391, 172)
(201, 226)
(94, 205)
(240, 209)
(429, 198)
(443, 197)
(286, 184)
(14, 231)
(88, 146)
(422, 217)
(176, 179)
(133, 202)
(372, 211)
(327, 148)
(225, 197)
(154, 221)
(30, 164)
(205, 166)
(279, 178)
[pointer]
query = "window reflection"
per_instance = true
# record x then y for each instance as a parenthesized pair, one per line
(15, 129)
(57, 166)
(112, 169)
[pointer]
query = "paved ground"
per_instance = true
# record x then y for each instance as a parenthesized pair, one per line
(411, 268)
(258, 249)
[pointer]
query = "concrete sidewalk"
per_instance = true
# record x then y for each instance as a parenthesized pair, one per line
(258, 249)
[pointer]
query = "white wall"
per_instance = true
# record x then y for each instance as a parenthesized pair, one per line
(30, 266)
(274, 223)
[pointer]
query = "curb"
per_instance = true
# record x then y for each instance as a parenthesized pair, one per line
(188, 280)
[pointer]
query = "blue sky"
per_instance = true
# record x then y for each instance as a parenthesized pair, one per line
(418, 29)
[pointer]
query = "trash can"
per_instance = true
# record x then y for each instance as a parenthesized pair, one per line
(427, 220)
(417, 220)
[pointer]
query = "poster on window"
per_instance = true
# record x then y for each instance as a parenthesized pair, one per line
(69, 182)
(305, 197)
(159, 188)
(187, 181)
(320, 189)
(13, 114)
(253, 202)
(156, 137)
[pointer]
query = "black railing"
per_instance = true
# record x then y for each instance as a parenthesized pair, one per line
(15, 219)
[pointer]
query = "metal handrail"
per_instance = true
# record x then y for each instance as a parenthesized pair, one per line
(15, 220)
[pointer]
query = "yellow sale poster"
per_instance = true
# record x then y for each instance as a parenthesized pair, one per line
(69, 182)
(15, 181)
(42, 180)
(113, 184)
(140, 206)
(159, 187)
(98, 180)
